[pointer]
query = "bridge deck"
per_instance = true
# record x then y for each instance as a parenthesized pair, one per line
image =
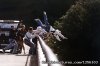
(8, 59)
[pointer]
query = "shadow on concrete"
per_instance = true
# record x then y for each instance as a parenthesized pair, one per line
(22, 54)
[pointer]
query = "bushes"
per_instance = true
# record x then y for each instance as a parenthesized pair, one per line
(81, 25)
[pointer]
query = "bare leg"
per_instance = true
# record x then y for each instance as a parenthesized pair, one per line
(21, 46)
(59, 34)
(57, 37)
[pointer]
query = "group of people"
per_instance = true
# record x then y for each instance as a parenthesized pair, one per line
(16, 39)
(20, 36)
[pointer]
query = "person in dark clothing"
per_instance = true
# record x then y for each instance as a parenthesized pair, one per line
(20, 34)
(20, 25)
(12, 33)
(12, 40)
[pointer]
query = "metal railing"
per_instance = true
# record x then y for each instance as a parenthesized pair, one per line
(46, 57)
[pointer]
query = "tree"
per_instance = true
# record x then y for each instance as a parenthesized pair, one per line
(81, 24)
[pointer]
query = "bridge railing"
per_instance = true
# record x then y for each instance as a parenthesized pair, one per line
(46, 57)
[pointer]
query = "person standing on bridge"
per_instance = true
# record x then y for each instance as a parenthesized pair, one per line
(28, 40)
(20, 35)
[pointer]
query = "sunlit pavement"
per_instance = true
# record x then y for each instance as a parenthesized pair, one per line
(8, 59)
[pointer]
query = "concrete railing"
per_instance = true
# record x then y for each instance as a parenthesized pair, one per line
(46, 57)
(40, 55)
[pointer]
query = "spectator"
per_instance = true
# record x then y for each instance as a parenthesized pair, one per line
(20, 25)
(20, 35)
(28, 40)
(12, 41)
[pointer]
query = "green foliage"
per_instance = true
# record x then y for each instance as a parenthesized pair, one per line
(80, 25)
